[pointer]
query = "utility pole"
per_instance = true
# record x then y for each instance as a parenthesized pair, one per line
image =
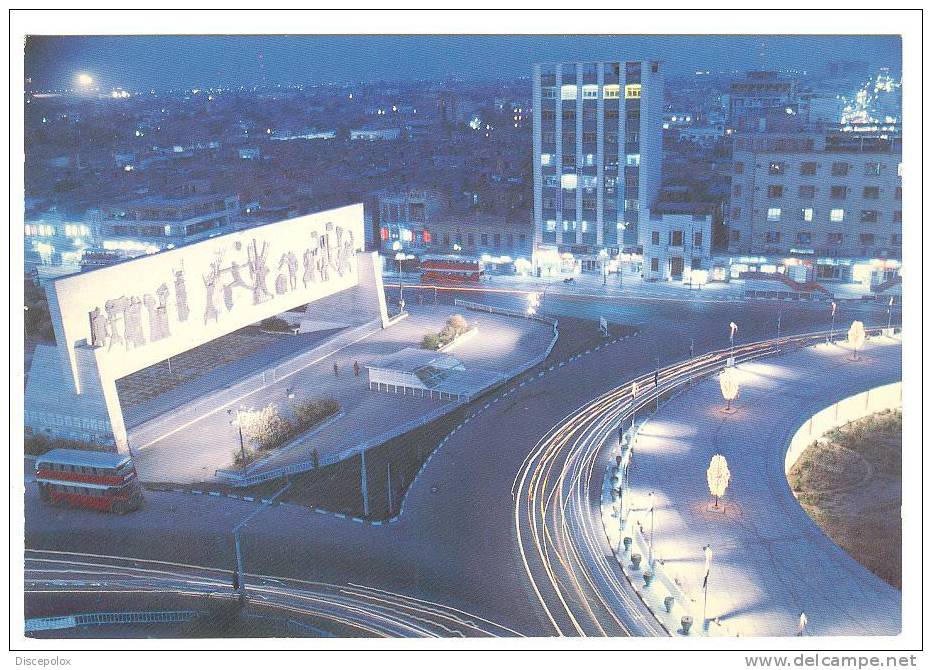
(388, 479)
(364, 484)
(779, 323)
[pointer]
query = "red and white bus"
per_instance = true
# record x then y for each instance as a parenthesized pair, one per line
(96, 480)
(447, 270)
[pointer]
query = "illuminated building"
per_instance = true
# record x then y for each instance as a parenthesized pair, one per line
(597, 158)
(822, 198)
(676, 239)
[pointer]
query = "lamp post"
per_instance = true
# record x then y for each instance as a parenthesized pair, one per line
(718, 476)
(238, 577)
(889, 313)
(650, 544)
(634, 395)
(856, 336)
(732, 329)
(779, 323)
(707, 550)
(831, 337)
(242, 443)
(728, 382)
(603, 255)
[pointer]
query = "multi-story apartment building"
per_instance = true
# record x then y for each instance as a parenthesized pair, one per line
(477, 234)
(405, 216)
(158, 223)
(826, 198)
(597, 158)
(759, 91)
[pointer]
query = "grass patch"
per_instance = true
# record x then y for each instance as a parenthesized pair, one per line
(850, 485)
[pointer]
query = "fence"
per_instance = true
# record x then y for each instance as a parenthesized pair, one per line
(108, 618)
(676, 377)
(852, 408)
(239, 480)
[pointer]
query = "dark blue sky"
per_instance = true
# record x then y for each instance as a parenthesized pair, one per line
(166, 61)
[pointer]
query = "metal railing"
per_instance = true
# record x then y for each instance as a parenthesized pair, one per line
(108, 618)
(674, 378)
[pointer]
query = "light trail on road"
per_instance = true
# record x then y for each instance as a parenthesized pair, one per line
(370, 611)
(557, 498)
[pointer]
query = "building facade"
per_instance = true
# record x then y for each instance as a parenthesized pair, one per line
(597, 158)
(157, 223)
(404, 216)
(675, 244)
(826, 198)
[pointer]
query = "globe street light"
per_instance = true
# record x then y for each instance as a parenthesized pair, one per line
(728, 381)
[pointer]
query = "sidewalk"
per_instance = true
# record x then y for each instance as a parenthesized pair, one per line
(203, 444)
(770, 562)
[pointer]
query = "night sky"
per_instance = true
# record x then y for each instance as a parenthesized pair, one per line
(184, 61)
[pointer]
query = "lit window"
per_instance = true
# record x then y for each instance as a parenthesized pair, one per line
(837, 215)
(633, 160)
(546, 159)
(568, 92)
(590, 92)
(584, 226)
(899, 170)
(550, 226)
(589, 181)
(633, 91)
(568, 181)
(168, 231)
(611, 91)
(807, 214)
(774, 213)
(590, 160)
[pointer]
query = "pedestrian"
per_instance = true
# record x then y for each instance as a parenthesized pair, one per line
(336, 370)
(355, 368)
(803, 620)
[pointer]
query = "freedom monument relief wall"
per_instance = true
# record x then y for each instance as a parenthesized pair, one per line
(126, 317)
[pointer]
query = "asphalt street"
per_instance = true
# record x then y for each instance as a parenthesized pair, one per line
(456, 542)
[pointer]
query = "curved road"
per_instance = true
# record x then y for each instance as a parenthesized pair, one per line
(457, 543)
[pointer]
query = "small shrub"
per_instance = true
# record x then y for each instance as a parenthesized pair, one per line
(311, 412)
(431, 341)
(458, 324)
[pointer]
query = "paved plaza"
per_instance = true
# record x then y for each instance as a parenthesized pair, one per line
(770, 561)
(193, 450)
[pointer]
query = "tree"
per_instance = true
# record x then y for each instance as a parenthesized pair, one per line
(718, 476)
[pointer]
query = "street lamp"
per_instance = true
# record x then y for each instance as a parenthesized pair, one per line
(831, 337)
(603, 255)
(707, 550)
(242, 443)
(889, 313)
(634, 395)
(856, 336)
(779, 323)
(401, 257)
(728, 381)
(718, 476)
(732, 329)
(650, 544)
(533, 302)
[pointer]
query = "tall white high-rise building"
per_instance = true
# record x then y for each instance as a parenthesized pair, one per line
(597, 158)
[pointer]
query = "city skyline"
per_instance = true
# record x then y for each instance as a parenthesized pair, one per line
(54, 62)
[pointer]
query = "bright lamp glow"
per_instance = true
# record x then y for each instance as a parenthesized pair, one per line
(85, 79)
(718, 476)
